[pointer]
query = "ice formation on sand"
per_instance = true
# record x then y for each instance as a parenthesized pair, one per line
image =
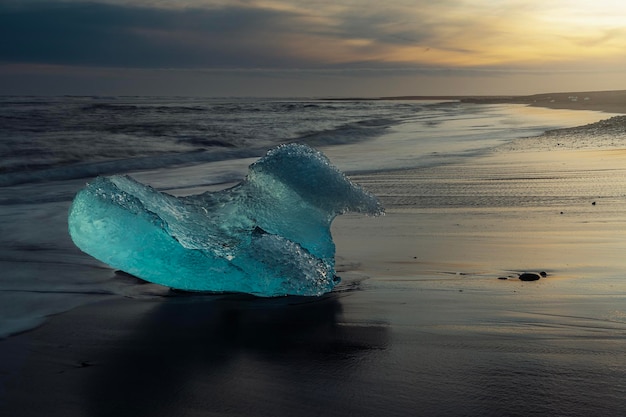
(269, 235)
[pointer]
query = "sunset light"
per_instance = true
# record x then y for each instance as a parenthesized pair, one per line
(305, 208)
(396, 41)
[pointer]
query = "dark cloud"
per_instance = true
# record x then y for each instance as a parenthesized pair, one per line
(385, 25)
(111, 35)
(296, 47)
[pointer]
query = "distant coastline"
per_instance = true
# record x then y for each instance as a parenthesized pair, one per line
(606, 101)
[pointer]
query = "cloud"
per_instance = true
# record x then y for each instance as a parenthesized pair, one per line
(295, 34)
(241, 33)
(115, 35)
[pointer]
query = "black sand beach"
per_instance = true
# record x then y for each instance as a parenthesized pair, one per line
(391, 348)
(421, 324)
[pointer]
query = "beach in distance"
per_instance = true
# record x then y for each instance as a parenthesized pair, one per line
(430, 318)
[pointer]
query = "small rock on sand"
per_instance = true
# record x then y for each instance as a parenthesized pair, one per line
(529, 276)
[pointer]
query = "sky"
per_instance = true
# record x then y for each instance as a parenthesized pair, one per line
(313, 48)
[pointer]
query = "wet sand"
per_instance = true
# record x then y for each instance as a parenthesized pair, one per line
(421, 324)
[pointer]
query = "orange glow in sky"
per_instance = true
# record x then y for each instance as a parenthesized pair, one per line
(318, 46)
(470, 33)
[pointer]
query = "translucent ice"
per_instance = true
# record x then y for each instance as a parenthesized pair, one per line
(269, 235)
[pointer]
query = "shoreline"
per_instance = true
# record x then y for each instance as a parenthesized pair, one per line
(612, 101)
(421, 320)
(532, 204)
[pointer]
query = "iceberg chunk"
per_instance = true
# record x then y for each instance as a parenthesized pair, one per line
(269, 235)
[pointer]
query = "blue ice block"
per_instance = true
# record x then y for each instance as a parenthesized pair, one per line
(269, 235)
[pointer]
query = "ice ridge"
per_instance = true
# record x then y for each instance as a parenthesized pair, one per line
(269, 235)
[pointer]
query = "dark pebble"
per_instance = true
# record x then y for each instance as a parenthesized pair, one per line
(502, 278)
(529, 276)
(543, 274)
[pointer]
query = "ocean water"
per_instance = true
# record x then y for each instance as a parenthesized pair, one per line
(51, 146)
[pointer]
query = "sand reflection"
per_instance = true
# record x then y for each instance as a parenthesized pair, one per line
(226, 354)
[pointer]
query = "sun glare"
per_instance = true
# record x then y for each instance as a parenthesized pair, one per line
(514, 32)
